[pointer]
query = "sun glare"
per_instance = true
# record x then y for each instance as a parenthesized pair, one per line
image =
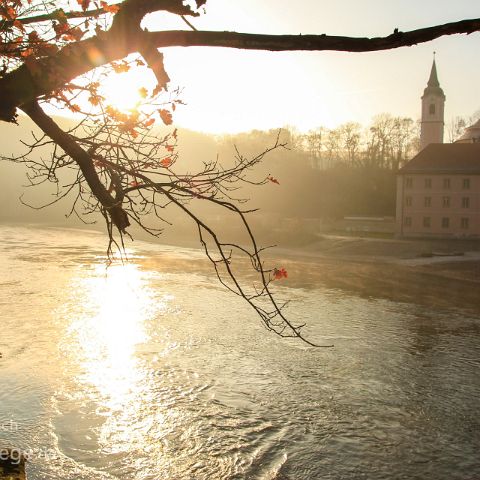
(122, 90)
(118, 304)
(104, 341)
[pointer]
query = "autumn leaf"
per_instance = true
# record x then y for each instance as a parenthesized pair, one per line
(84, 4)
(93, 87)
(95, 99)
(143, 92)
(61, 28)
(110, 8)
(170, 148)
(166, 162)
(27, 53)
(166, 117)
(33, 37)
(74, 34)
(273, 180)
(18, 24)
(120, 67)
(278, 274)
(60, 15)
(149, 122)
(9, 13)
(134, 183)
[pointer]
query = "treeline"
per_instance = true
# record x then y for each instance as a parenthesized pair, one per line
(324, 173)
(388, 142)
(331, 173)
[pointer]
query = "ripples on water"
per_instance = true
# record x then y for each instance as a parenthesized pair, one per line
(149, 370)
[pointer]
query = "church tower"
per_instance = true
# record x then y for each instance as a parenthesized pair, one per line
(433, 104)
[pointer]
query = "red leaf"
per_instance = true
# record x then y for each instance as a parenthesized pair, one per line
(9, 13)
(166, 162)
(278, 274)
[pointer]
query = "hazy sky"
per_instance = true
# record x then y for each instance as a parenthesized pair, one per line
(229, 90)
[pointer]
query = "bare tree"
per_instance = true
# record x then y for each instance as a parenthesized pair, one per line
(455, 128)
(120, 168)
(350, 134)
(313, 144)
(333, 143)
(404, 141)
(457, 125)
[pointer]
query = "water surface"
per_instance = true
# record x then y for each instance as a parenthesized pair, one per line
(150, 370)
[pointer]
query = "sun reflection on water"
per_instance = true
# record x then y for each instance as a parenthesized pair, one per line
(136, 403)
(121, 303)
(103, 342)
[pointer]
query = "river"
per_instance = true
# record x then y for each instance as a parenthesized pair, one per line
(150, 370)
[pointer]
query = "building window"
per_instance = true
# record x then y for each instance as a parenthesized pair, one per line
(408, 201)
(445, 222)
(426, 222)
(428, 201)
(431, 109)
(466, 202)
(446, 183)
(409, 182)
(446, 201)
(428, 183)
(408, 221)
(464, 223)
(466, 183)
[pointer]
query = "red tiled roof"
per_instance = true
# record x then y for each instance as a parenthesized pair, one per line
(446, 158)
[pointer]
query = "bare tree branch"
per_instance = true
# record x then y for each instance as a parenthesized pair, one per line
(278, 43)
(84, 161)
